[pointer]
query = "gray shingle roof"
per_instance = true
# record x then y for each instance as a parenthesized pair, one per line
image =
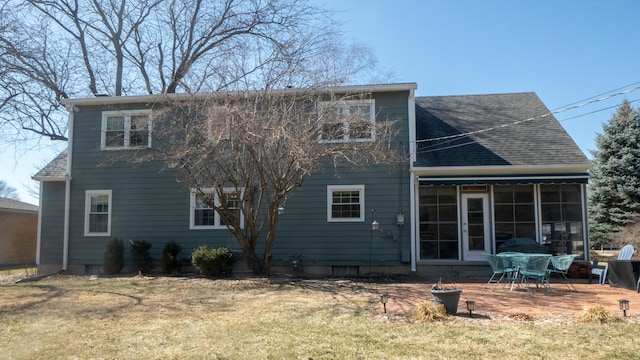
(509, 140)
(54, 170)
(15, 205)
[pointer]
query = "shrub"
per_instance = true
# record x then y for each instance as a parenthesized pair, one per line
(212, 262)
(428, 312)
(114, 256)
(170, 262)
(142, 261)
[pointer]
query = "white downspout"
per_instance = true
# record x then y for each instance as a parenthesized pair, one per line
(39, 233)
(67, 192)
(412, 183)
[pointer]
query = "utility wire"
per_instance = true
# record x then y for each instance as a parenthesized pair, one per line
(572, 106)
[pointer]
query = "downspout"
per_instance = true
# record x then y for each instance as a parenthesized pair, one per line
(39, 233)
(67, 191)
(412, 179)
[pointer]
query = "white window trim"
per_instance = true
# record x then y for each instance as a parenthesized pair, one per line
(127, 114)
(217, 225)
(345, 103)
(331, 189)
(87, 211)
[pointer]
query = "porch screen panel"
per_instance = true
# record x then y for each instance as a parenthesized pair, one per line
(514, 211)
(561, 207)
(438, 222)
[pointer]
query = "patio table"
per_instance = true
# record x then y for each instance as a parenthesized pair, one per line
(519, 260)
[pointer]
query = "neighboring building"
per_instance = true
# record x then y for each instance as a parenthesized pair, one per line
(18, 234)
(482, 169)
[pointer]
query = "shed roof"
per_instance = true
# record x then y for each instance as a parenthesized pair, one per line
(491, 130)
(15, 205)
(55, 170)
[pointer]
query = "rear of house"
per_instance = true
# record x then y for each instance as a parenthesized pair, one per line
(482, 169)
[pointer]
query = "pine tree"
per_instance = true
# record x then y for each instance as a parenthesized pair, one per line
(614, 192)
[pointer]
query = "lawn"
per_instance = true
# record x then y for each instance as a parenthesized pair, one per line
(68, 317)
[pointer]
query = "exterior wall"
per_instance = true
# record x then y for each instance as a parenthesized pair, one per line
(18, 237)
(149, 204)
(52, 231)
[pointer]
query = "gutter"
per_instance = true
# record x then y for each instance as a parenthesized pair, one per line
(67, 191)
(415, 227)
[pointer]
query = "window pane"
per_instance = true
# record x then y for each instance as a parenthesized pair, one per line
(114, 138)
(332, 131)
(525, 213)
(98, 223)
(360, 130)
(204, 217)
(99, 203)
(345, 204)
(504, 212)
(139, 135)
(115, 123)
(448, 213)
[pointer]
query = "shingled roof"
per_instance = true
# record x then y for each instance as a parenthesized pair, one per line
(491, 130)
(54, 170)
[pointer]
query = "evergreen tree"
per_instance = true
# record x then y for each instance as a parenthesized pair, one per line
(614, 192)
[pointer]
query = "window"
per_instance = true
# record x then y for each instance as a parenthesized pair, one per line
(344, 121)
(514, 212)
(562, 218)
(97, 213)
(345, 203)
(438, 222)
(126, 129)
(204, 216)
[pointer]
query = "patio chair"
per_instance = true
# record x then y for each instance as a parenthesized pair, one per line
(560, 265)
(501, 269)
(534, 268)
(625, 254)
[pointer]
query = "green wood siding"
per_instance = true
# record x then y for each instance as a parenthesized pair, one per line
(52, 232)
(149, 204)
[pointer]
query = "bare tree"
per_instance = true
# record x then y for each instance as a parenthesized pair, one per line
(8, 191)
(243, 153)
(56, 49)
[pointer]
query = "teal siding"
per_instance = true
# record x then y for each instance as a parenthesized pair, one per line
(52, 230)
(149, 204)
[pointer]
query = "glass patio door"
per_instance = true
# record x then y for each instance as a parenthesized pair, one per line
(475, 226)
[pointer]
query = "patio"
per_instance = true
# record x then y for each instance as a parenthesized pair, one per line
(502, 303)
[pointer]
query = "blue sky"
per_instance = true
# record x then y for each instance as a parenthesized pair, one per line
(567, 51)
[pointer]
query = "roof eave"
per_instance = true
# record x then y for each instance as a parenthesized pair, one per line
(503, 169)
(103, 100)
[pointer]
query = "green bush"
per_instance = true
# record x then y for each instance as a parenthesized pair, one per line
(142, 261)
(212, 262)
(113, 256)
(170, 261)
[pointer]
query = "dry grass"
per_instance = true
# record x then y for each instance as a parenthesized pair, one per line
(176, 318)
(598, 314)
(428, 312)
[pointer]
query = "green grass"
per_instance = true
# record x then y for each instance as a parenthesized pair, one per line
(173, 318)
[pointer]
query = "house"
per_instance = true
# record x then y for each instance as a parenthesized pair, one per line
(19, 224)
(482, 169)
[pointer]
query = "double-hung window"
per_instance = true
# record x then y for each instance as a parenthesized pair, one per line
(347, 121)
(203, 214)
(97, 218)
(345, 203)
(126, 129)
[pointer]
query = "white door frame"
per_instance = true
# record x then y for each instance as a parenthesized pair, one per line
(475, 254)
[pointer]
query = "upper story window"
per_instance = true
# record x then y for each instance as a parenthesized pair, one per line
(204, 216)
(126, 129)
(345, 203)
(349, 120)
(97, 217)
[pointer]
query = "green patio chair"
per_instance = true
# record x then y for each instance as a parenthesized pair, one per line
(560, 265)
(534, 268)
(501, 269)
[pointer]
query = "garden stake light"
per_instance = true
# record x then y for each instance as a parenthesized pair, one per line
(384, 298)
(624, 306)
(470, 306)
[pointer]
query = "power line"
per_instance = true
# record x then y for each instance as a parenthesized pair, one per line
(572, 106)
